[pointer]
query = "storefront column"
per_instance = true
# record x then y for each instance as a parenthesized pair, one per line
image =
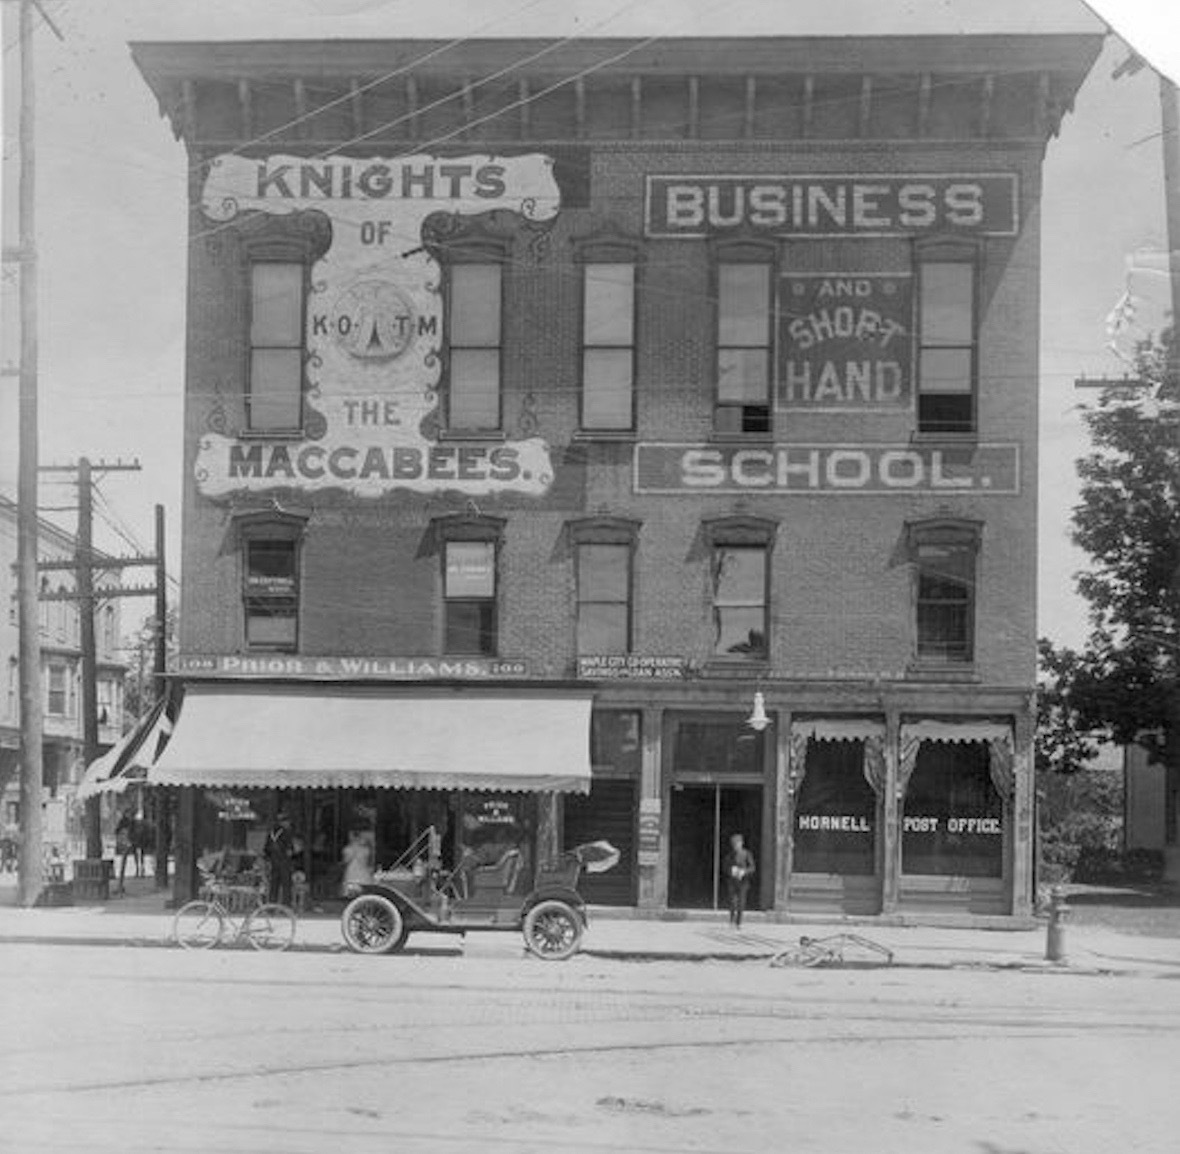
(548, 827)
(891, 803)
(653, 829)
(184, 886)
(784, 817)
(1022, 805)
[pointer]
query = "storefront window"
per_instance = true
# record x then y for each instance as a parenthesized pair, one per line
(953, 819)
(836, 810)
(615, 741)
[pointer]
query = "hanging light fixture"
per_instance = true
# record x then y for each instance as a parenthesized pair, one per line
(758, 720)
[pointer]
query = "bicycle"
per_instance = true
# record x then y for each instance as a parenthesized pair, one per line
(829, 951)
(201, 923)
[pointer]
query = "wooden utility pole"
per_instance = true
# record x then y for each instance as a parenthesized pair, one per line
(163, 813)
(31, 871)
(84, 567)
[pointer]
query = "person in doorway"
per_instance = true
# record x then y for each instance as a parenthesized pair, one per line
(739, 870)
(279, 848)
(358, 863)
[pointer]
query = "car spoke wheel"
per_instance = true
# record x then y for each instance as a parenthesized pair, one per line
(373, 924)
(553, 930)
(198, 925)
(270, 927)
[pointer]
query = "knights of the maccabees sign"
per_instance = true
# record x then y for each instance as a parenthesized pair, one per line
(374, 325)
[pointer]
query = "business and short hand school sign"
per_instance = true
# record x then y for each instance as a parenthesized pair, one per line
(374, 324)
(833, 205)
(810, 469)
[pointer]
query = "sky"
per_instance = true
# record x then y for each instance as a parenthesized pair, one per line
(111, 187)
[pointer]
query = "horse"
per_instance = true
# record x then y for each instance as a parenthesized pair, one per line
(134, 838)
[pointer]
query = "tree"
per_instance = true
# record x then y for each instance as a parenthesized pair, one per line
(1129, 524)
(141, 690)
(1063, 744)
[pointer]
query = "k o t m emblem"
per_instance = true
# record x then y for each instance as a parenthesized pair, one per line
(372, 320)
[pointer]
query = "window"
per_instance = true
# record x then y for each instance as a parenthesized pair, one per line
(271, 593)
(944, 557)
(947, 340)
(274, 401)
(835, 813)
(58, 686)
(608, 345)
(105, 697)
(743, 347)
(469, 592)
(604, 599)
(739, 601)
(474, 337)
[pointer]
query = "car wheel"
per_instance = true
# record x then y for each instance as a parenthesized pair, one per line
(372, 924)
(553, 930)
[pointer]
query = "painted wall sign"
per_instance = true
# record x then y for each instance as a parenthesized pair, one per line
(844, 823)
(809, 469)
(869, 204)
(374, 325)
(607, 666)
(348, 668)
(846, 342)
(980, 825)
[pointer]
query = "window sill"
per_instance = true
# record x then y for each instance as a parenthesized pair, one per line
(472, 435)
(621, 436)
(736, 666)
(918, 437)
(272, 434)
(741, 438)
(963, 672)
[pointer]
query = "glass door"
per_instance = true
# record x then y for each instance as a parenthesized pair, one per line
(702, 819)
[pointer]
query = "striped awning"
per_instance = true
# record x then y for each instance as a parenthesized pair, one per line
(128, 760)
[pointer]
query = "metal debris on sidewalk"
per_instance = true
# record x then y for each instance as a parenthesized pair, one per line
(834, 951)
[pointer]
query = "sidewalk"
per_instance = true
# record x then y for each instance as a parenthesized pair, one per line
(142, 919)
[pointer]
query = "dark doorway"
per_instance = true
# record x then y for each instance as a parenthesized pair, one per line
(702, 819)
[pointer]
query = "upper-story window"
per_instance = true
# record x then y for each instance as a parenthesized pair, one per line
(469, 593)
(270, 589)
(740, 579)
(944, 555)
(274, 396)
(947, 338)
(744, 342)
(474, 328)
(57, 702)
(608, 345)
(604, 599)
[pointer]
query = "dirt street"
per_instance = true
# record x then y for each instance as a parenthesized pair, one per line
(109, 1049)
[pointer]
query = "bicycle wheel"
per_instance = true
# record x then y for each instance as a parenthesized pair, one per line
(198, 925)
(806, 953)
(270, 927)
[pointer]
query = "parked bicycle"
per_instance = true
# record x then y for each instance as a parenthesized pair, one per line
(833, 951)
(203, 923)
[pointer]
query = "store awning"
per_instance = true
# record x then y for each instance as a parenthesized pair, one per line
(284, 737)
(127, 761)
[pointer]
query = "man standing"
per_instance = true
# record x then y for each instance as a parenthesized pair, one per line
(739, 869)
(280, 845)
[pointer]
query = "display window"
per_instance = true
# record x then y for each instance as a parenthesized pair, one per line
(953, 820)
(835, 812)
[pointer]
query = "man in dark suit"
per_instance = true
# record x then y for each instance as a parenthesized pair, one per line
(280, 846)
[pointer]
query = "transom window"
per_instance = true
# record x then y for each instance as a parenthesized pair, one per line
(474, 328)
(608, 345)
(469, 593)
(947, 341)
(274, 400)
(743, 347)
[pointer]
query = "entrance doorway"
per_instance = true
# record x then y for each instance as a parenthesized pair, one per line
(702, 818)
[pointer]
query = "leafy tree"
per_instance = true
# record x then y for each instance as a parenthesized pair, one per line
(140, 688)
(1063, 744)
(1129, 524)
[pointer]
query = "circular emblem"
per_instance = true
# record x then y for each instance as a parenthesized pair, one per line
(373, 320)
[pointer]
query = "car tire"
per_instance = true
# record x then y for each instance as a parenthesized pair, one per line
(553, 930)
(373, 924)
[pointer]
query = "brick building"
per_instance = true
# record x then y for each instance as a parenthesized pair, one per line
(553, 409)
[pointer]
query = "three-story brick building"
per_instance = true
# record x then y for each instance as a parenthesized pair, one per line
(621, 438)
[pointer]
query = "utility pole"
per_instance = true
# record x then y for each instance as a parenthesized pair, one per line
(30, 865)
(83, 565)
(163, 813)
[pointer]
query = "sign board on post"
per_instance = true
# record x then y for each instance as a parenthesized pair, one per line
(649, 831)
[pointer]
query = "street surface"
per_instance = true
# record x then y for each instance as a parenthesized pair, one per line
(136, 1049)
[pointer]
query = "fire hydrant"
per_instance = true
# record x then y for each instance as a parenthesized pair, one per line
(1055, 932)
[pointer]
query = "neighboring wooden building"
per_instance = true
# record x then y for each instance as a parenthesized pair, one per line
(566, 404)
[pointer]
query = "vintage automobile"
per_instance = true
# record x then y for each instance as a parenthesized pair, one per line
(415, 894)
